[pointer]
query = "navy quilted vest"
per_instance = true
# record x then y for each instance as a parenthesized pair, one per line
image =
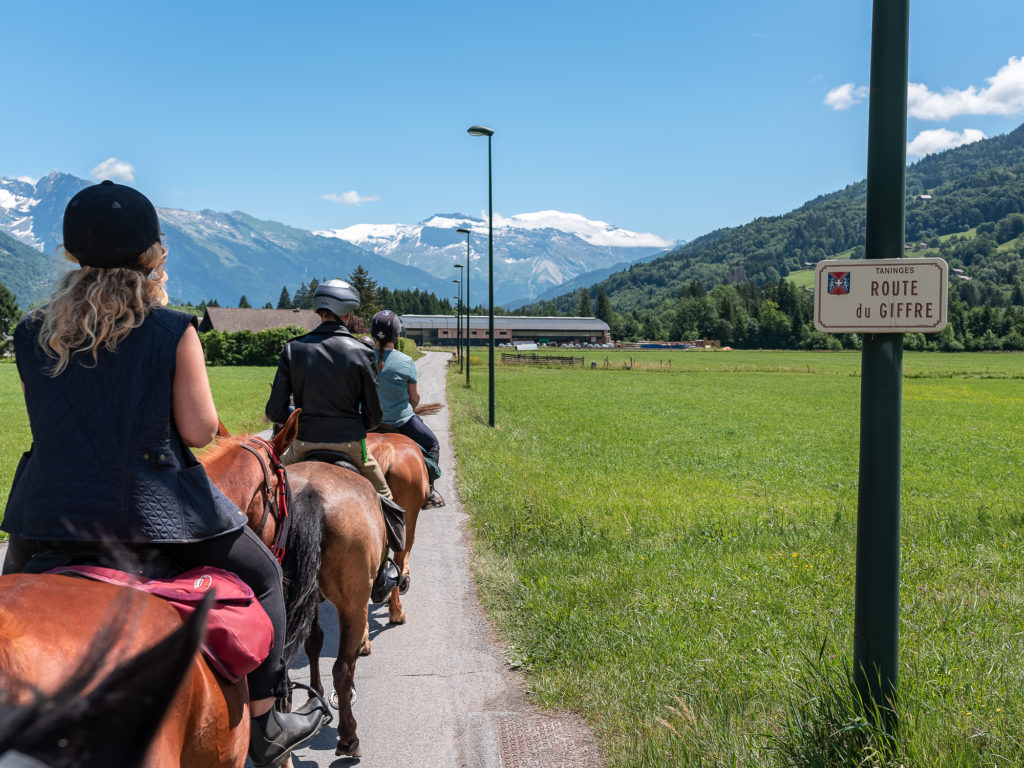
(106, 460)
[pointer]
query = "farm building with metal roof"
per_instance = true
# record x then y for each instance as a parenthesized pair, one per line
(232, 320)
(426, 329)
(444, 329)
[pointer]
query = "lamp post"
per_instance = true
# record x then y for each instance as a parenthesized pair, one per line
(458, 321)
(480, 130)
(464, 231)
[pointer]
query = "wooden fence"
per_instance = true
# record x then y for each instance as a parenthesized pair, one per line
(532, 358)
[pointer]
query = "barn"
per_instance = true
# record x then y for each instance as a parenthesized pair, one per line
(508, 329)
(232, 320)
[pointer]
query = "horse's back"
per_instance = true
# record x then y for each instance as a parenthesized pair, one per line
(51, 625)
(405, 459)
(353, 527)
(46, 621)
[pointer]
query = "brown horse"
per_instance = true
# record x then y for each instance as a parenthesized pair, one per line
(402, 462)
(352, 549)
(46, 625)
(71, 727)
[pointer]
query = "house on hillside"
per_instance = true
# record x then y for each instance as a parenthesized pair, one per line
(232, 320)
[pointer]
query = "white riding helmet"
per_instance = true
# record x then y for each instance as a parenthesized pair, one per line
(336, 296)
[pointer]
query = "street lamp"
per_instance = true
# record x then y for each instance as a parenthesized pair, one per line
(480, 130)
(458, 320)
(464, 231)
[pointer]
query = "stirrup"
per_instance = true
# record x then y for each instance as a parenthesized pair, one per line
(435, 500)
(315, 702)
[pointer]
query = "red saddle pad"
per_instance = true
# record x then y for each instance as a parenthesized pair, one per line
(239, 633)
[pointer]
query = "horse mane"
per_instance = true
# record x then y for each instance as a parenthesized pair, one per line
(219, 446)
(428, 409)
(70, 728)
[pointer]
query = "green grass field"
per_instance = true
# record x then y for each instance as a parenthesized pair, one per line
(670, 552)
(667, 543)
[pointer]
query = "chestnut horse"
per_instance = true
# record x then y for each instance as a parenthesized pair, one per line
(401, 460)
(352, 549)
(71, 727)
(46, 625)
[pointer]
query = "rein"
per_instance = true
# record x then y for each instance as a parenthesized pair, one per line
(276, 504)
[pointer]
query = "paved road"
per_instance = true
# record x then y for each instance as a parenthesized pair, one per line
(436, 691)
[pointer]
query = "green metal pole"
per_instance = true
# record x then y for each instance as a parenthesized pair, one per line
(876, 610)
(490, 282)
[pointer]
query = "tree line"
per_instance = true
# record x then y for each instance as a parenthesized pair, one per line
(781, 316)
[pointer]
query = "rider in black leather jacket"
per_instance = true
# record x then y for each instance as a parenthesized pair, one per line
(332, 377)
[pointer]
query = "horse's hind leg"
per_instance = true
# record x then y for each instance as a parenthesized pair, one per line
(351, 625)
(313, 646)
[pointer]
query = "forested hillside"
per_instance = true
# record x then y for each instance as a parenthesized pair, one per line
(965, 205)
(27, 273)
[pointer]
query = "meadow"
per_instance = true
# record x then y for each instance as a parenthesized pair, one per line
(670, 551)
(666, 542)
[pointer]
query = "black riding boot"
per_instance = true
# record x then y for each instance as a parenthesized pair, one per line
(273, 735)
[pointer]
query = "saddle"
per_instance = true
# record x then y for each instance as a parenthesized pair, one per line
(394, 515)
(239, 634)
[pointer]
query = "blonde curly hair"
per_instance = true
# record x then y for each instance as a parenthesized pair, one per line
(96, 308)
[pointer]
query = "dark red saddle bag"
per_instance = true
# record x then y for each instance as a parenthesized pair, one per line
(239, 633)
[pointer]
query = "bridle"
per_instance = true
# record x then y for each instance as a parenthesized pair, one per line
(276, 504)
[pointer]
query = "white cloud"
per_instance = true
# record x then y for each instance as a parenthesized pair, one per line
(351, 198)
(939, 139)
(1003, 96)
(114, 169)
(28, 180)
(846, 95)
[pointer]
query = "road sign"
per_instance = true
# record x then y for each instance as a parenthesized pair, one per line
(881, 295)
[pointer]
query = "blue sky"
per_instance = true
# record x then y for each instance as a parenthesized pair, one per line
(668, 117)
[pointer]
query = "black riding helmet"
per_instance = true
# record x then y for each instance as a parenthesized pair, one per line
(385, 326)
(109, 225)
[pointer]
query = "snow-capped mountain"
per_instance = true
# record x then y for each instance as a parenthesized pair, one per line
(533, 252)
(212, 255)
(223, 256)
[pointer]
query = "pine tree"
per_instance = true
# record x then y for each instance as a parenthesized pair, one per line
(604, 307)
(583, 309)
(366, 286)
(243, 303)
(10, 314)
(285, 302)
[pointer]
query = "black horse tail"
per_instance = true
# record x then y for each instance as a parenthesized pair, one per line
(301, 565)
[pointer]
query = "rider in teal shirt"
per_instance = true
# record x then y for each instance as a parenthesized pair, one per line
(399, 395)
(393, 378)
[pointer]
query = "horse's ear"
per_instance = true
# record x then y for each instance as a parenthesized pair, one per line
(286, 434)
(222, 431)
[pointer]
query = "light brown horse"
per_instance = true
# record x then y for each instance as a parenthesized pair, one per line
(402, 462)
(47, 623)
(352, 549)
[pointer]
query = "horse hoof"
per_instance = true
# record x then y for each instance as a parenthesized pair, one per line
(403, 584)
(364, 649)
(349, 750)
(399, 619)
